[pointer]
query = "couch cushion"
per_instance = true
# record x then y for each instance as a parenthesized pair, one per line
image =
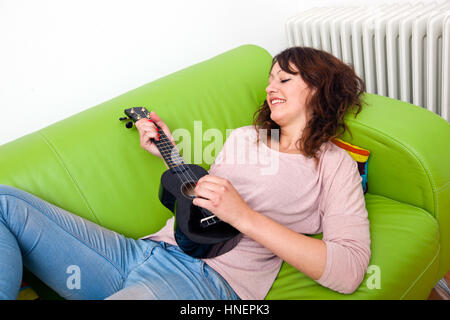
(405, 249)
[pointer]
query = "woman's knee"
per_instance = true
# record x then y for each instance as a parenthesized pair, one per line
(7, 190)
(9, 194)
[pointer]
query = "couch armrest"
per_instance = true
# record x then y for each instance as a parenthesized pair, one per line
(409, 160)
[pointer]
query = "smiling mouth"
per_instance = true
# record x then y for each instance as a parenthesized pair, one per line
(277, 101)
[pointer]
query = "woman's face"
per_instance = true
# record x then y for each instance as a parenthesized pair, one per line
(286, 96)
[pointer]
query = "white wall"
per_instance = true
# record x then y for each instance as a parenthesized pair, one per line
(59, 57)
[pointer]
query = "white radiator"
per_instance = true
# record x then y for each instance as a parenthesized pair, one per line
(400, 50)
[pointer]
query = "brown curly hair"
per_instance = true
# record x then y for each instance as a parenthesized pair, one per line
(337, 89)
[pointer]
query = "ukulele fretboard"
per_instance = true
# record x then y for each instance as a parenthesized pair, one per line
(168, 151)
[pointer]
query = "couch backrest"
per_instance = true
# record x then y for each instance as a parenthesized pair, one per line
(90, 164)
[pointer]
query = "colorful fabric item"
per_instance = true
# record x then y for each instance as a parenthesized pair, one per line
(360, 155)
(27, 293)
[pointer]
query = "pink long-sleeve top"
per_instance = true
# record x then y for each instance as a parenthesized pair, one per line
(289, 189)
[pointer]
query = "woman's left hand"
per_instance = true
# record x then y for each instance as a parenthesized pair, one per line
(220, 197)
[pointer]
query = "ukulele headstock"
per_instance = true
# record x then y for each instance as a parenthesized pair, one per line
(137, 113)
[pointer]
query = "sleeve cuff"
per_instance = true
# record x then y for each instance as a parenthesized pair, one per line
(323, 280)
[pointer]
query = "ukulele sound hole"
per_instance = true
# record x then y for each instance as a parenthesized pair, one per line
(187, 189)
(201, 218)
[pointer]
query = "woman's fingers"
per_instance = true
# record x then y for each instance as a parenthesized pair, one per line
(206, 193)
(209, 190)
(147, 124)
(206, 185)
(204, 203)
(156, 119)
(147, 135)
(147, 131)
(147, 127)
(218, 182)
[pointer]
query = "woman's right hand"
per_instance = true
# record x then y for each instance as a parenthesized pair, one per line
(147, 131)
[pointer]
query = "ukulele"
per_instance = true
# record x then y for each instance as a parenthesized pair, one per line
(197, 231)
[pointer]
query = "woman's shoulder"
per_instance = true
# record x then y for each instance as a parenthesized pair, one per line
(245, 131)
(335, 158)
(252, 130)
(335, 153)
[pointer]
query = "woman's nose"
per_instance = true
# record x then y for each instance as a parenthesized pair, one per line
(271, 88)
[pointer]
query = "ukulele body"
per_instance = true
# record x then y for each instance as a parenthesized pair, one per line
(176, 193)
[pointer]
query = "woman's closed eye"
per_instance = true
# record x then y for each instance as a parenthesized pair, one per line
(285, 80)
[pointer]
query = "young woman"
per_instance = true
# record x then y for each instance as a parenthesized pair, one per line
(316, 188)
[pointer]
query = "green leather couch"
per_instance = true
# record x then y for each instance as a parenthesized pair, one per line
(92, 165)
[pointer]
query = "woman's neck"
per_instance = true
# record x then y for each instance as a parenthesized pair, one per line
(286, 142)
(289, 136)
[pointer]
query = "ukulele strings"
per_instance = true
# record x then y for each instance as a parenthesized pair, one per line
(170, 147)
(142, 112)
(186, 168)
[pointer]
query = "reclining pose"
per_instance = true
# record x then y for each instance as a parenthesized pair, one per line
(316, 188)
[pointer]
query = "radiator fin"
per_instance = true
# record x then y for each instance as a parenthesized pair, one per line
(401, 51)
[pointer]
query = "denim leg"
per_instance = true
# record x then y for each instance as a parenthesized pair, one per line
(170, 274)
(75, 257)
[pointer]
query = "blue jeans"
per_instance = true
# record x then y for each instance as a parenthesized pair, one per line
(82, 260)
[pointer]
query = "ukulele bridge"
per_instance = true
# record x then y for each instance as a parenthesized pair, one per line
(209, 221)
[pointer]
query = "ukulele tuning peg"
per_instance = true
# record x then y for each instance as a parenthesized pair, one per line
(123, 118)
(129, 124)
